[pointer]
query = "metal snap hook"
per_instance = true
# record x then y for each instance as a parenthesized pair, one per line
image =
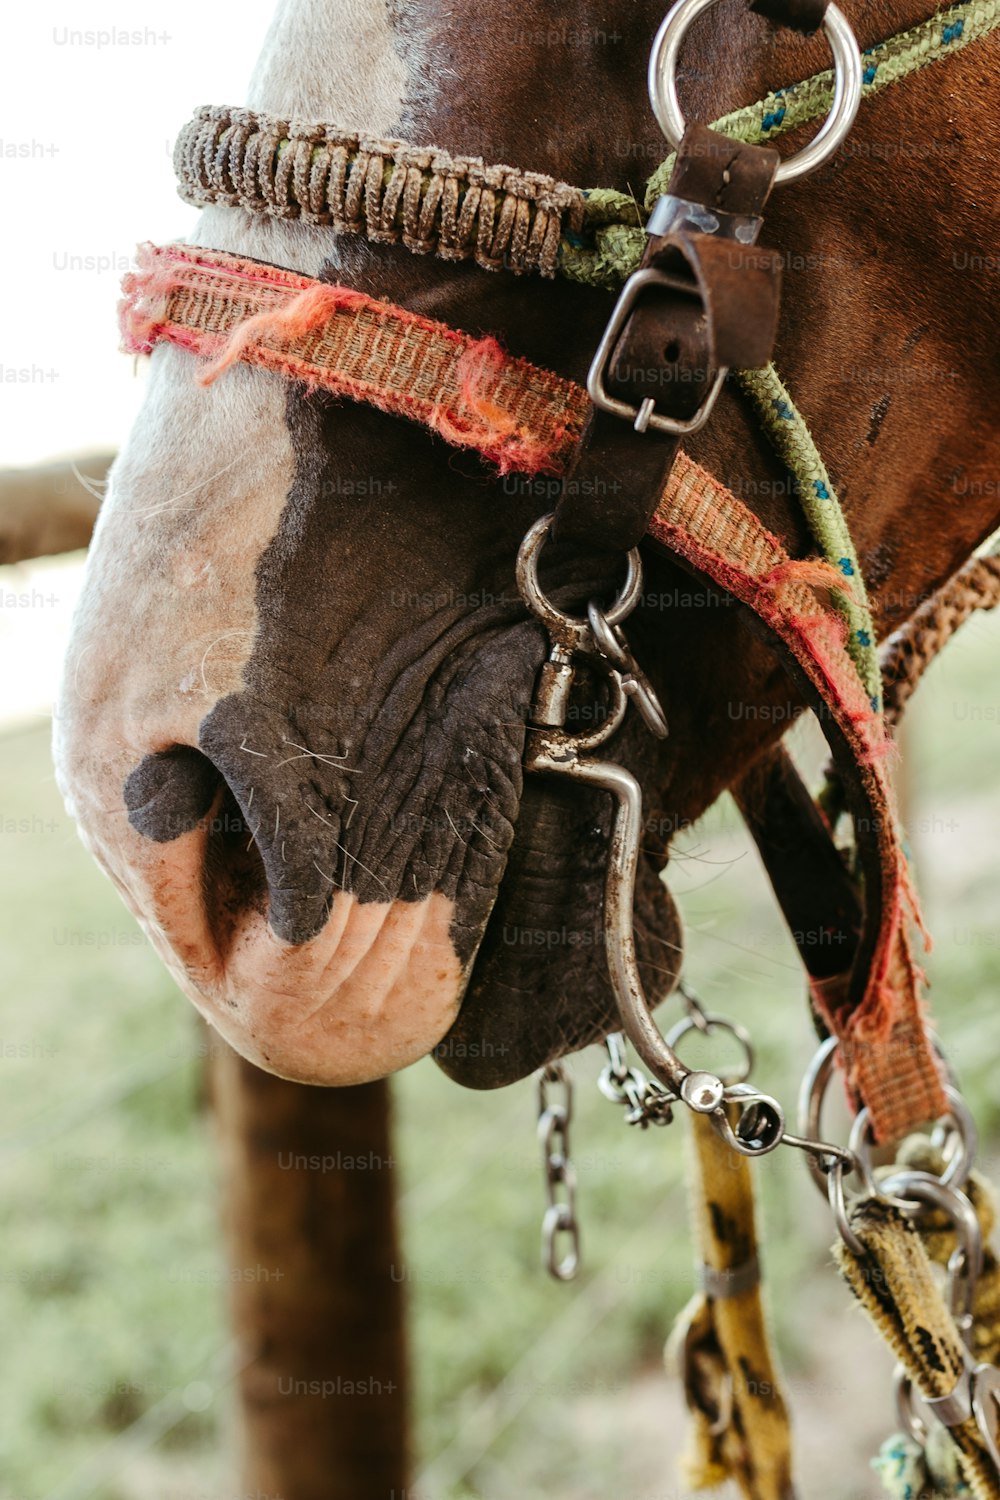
(846, 88)
(613, 646)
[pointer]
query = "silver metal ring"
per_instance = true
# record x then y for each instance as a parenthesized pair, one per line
(960, 1164)
(810, 1113)
(846, 88)
(541, 606)
(838, 1206)
(986, 1407)
(921, 1190)
(706, 1025)
(910, 1422)
(813, 1092)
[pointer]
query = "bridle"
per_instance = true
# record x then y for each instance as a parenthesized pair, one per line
(703, 299)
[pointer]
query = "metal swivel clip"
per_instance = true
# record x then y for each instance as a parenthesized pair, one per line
(552, 748)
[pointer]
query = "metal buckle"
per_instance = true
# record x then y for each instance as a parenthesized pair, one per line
(645, 415)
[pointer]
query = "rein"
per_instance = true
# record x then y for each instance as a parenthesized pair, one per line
(695, 284)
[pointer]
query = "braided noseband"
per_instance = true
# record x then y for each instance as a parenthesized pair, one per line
(451, 206)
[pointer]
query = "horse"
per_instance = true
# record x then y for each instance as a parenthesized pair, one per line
(292, 725)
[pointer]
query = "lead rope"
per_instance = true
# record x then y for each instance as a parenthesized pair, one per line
(908, 653)
(739, 1426)
(946, 1346)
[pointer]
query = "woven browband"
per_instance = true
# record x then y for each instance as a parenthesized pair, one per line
(453, 206)
(520, 417)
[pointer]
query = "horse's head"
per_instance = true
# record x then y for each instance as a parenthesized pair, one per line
(293, 716)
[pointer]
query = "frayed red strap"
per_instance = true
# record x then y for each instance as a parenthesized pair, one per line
(875, 1011)
(517, 416)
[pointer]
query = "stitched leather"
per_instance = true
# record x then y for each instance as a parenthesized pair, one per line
(800, 15)
(675, 342)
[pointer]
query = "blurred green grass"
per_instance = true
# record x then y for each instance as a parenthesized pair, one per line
(114, 1381)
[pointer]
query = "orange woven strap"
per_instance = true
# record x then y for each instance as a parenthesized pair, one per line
(523, 418)
(876, 1010)
(474, 395)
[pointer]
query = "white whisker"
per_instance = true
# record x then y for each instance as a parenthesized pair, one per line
(482, 831)
(96, 487)
(326, 876)
(171, 504)
(211, 647)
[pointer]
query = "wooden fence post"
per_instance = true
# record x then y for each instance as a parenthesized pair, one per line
(50, 508)
(309, 1215)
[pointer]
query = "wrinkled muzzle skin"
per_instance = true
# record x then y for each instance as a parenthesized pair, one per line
(291, 730)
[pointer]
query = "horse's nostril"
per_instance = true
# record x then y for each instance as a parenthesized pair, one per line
(234, 876)
(170, 792)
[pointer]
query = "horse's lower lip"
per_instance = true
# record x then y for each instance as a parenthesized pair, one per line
(374, 992)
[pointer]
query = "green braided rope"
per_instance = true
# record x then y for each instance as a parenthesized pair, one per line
(794, 445)
(611, 217)
(906, 1469)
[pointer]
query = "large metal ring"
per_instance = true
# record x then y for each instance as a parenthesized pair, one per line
(916, 1191)
(846, 87)
(838, 1206)
(814, 1086)
(810, 1113)
(541, 606)
(959, 1164)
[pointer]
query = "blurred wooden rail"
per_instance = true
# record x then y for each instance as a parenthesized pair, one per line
(48, 509)
(308, 1195)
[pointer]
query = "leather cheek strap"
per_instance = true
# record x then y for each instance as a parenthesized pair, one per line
(721, 309)
(806, 16)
